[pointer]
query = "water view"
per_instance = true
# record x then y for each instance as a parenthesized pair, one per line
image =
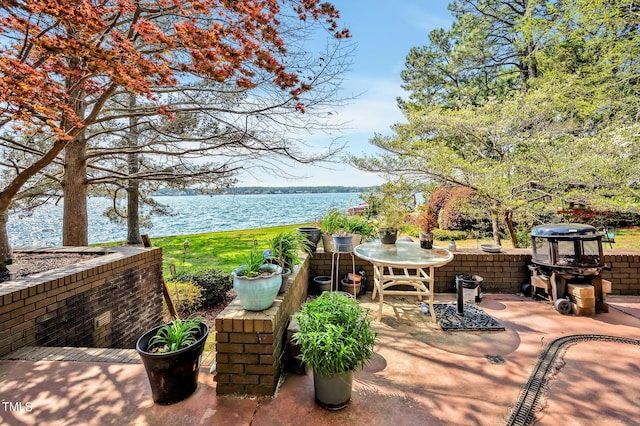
(193, 214)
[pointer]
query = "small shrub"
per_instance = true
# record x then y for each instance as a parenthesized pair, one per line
(335, 334)
(186, 296)
(445, 235)
(523, 237)
(359, 225)
(213, 283)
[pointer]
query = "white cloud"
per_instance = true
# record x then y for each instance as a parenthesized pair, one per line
(375, 109)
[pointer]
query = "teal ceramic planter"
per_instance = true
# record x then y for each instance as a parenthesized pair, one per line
(257, 293)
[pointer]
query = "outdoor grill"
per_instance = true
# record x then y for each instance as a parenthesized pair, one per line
(567, 260)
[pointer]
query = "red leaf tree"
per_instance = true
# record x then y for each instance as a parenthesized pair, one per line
(60, 62)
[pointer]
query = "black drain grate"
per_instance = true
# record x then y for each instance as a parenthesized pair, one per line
(496, 359)
(522, 413)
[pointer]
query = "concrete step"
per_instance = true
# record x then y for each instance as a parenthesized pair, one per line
(68, 353)
(41, 353)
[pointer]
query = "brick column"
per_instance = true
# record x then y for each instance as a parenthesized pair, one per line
(249, 345)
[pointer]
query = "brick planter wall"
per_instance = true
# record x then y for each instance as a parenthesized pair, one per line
(249, 345)
(108, 301)
(625, 272)
(502, 272)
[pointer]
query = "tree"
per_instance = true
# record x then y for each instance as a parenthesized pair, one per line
(62, 62)
(560, 135)
(487, 53)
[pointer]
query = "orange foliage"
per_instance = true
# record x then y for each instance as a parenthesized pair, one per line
(57, 52)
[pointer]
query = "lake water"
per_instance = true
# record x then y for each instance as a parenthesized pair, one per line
(194, 214)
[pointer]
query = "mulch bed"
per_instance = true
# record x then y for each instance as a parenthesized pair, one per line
(33, 263)
(210, 312)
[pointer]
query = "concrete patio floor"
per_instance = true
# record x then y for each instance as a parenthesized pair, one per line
(419, 375)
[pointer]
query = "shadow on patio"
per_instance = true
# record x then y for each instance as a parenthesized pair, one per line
(419, 375)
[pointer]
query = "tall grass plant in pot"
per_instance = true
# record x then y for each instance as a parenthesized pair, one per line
(335, 339)
(171, 355)
(285, 250)
(332, 222)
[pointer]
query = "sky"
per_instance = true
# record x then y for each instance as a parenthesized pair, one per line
(384, 32)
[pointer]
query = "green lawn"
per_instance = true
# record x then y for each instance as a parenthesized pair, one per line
(625, 239)
(228, 249)
(222, 250)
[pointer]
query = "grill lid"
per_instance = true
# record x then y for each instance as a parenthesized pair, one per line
(564, 230)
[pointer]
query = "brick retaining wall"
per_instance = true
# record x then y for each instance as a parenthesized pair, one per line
(249, 345)
(108, 301)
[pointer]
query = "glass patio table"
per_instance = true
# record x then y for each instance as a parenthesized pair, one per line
(403, 263)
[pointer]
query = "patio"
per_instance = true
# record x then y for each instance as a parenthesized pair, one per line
(419, 375)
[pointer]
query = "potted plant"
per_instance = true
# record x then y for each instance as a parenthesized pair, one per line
(332, 223)
(313, 234)
(336, 223)
(342, 240)
(389, 221)
(285, 248)
(335, 339)
(257, 282)
(361, 229)
(426, 221)
(391, 205)
(171, 356)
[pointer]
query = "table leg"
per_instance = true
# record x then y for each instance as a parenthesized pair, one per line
(431, 281)
(376, 280)
(333, 263)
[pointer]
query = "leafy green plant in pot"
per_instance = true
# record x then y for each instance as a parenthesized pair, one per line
(391, 205)
(335, 339)
(257, 282)
(361, 228)
(285, 249)
(171, 356)
(333, 222)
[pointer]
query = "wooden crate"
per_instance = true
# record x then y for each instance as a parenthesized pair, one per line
(583, 311)
(583, 300)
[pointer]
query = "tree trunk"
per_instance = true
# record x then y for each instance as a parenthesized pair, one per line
(495, 227)
(508, 219)
(5, 248)
(75, 223)
(133, 187)
(133, 194)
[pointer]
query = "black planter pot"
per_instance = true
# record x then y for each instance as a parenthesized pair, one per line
(313, 234)
(173, 376)
(286, 272)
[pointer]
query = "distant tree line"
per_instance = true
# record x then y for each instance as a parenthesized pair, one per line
(268, 190)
